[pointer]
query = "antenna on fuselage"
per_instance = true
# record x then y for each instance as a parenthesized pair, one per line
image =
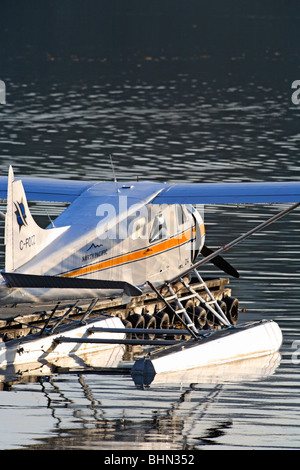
(115, 178)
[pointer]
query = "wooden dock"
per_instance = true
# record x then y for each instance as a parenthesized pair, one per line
(21, 320)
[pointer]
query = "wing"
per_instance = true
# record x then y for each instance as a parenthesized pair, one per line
(59, 190)
(48, 190)
(229, 193)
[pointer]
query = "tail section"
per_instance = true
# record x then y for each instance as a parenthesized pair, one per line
(23, 237)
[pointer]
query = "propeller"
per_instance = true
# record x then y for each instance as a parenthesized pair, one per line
(220, 262)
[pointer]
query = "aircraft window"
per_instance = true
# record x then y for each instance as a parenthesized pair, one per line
(137, 228)
(159, 229)
(181, 215)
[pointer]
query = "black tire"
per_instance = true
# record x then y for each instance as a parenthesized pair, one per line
(210, 320)
(200, 317)
(137, 321)
(232, 309)
(150, 323)
(162, 320)
(127, 324)
(178, 326)
(191, 310)
(172, 316)
(223, 307)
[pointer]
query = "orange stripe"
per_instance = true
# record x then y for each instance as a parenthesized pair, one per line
(144, 253)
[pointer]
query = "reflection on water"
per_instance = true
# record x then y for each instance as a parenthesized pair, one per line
(102, 409)
(237, 371)
(248, 404)
(102, 360)
(177, 125)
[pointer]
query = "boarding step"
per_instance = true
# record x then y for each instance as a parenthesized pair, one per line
(211, 304)
(216, 310)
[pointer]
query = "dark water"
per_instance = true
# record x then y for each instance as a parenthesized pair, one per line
(205, 117)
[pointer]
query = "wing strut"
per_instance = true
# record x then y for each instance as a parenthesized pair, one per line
(238, 240)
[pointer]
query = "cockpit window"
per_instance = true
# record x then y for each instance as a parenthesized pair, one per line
(182, 216)
(137, 228)
(159, 229)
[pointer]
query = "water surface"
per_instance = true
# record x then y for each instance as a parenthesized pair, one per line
(163, 120)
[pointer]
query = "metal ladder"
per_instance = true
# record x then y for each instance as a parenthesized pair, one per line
(212, 304)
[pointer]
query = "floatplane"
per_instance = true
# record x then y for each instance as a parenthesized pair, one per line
(124, 240)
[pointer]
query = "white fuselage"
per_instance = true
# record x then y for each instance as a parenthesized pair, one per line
(114, 233)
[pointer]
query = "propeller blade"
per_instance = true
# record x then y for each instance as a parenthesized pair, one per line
(220, 262)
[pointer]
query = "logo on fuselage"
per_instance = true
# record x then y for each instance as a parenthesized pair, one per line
(20, 214)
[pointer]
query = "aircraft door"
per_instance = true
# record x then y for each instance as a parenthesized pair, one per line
(198, 233)
(183, 227)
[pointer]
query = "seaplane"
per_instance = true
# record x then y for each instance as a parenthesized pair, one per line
(124, 240)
